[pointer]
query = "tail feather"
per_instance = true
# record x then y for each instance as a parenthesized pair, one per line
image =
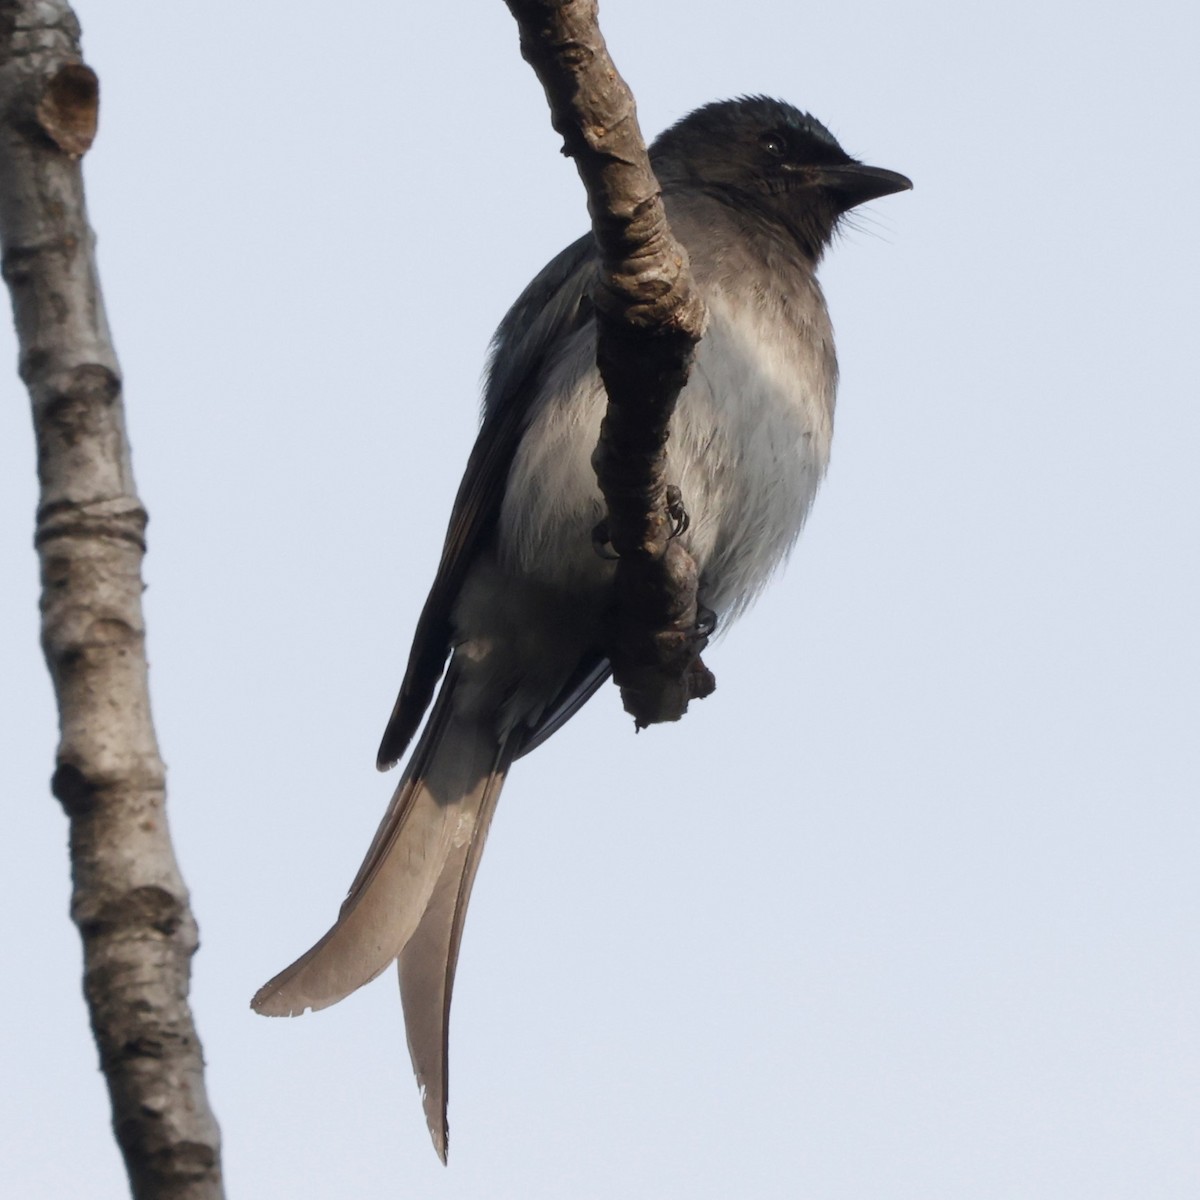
(429, 959)
(454, 773)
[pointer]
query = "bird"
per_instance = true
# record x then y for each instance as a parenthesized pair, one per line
(511, 636)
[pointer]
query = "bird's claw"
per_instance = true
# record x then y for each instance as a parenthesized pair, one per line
(680, 518)
(602, 542)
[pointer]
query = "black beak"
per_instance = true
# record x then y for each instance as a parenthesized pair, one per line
(855, 184)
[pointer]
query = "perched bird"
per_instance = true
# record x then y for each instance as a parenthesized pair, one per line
(754, 189)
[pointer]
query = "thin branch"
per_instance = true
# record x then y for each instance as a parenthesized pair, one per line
(650, 319)
(128, 900)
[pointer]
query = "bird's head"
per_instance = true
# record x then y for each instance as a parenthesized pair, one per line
(771, 161)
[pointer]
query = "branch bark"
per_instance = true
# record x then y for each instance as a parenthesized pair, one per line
(129, 900)
(650, 318)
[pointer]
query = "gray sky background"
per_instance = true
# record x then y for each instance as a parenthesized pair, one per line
(909, 907)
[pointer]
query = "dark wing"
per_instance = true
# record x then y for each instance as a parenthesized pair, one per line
(552, 307)
(586, 680)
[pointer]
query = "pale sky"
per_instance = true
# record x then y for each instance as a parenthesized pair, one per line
(909, 908)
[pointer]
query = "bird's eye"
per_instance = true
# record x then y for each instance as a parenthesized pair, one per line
(774, 145)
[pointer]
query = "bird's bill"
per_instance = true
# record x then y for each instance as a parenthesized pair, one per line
(855, 183)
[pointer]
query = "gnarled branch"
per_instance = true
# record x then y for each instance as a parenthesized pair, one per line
(650, 319)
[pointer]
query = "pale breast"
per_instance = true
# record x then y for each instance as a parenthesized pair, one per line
(751, 436)
(749, 444)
